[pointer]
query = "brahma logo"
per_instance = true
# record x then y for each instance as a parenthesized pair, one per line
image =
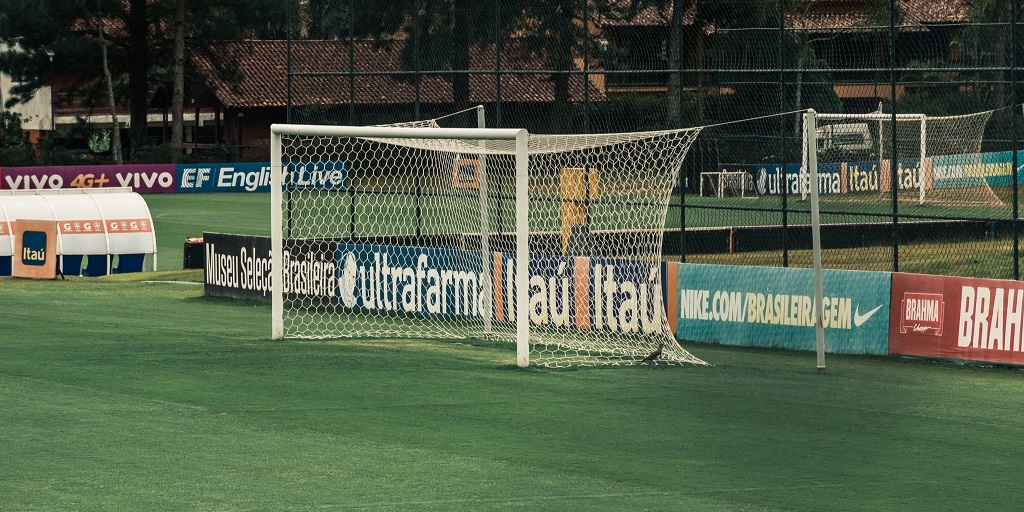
(991, 318)
(922, 313)
(33, 248)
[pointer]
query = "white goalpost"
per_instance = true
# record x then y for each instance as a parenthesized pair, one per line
(937, 158)
(552, 242)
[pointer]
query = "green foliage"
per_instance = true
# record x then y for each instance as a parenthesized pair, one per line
(628, 112)
(14, 149)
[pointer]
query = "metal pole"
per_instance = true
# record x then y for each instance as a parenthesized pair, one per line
(351, 64)
(486, 261)
(782, 133)
(522, 272)
(497, 64)
(811, 141)
(416, 50)
(53, 122)
(677, 15)
(1014, 100)
(893, 181)
(276, 239)
(923, 150)
(586, 70)
(288, 62)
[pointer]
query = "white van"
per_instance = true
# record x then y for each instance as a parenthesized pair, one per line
(846, 136)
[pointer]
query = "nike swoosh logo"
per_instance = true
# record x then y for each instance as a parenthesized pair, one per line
(859, 319)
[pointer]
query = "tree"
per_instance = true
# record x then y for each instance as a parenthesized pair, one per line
(108, 79)
(196, 25)
(436, 35)
(14, 150)
(83, 35)
(137, 38)
(556, 33)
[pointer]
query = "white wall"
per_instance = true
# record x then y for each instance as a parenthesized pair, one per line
(35, 113)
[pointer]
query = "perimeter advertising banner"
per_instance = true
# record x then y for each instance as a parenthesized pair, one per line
(236, 266)
(773, 307)
(568, 292)
(841, 177)
(144, 178)
(577, 293)
(957, 318)
(227, 177)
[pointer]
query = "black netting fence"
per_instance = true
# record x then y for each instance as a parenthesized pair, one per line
(935, 193)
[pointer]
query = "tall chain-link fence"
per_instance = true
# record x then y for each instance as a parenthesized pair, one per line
(925, 183)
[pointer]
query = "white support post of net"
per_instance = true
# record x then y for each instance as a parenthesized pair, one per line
(923, 154)
(803, 179)
(485, 233)
(276, 238)
(522, 249)
(811, 143)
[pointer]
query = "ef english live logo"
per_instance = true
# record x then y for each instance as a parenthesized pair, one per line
(33, 248)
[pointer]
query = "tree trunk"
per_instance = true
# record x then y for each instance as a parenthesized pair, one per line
(702, 93)
(561, 110)
(110, 93)
(801, 61)
(138, 69)
(178, 93)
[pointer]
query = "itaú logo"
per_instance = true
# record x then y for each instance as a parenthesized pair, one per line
(33, 248)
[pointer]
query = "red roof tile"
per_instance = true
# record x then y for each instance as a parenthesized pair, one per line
(824, 14)
(263, 83)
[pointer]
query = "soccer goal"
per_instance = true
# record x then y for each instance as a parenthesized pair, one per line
(727, 184)
(551, 242)
(937, 159)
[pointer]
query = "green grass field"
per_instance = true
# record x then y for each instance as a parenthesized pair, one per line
(122, 394)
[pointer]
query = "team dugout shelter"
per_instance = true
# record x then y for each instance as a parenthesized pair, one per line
(100, 231)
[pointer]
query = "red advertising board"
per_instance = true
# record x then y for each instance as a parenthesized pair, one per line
(957, 318)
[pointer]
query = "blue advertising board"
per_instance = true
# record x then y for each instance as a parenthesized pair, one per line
(773, 307)
(317, 175)
(225, 177)
(575, 293)
(769, 180)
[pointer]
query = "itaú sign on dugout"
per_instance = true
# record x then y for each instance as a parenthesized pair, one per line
(957, 318)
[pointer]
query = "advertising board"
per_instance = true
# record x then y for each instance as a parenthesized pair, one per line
(35, 249)
(957, 318)
(567, 292)
(142, 178)
(225, 177)
(773, 307)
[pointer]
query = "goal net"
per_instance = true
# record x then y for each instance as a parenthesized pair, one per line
(727, 184)
(552, 242)
(937, 159)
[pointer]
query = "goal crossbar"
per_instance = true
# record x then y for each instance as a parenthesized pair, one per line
(398, 132)
(871, 116)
